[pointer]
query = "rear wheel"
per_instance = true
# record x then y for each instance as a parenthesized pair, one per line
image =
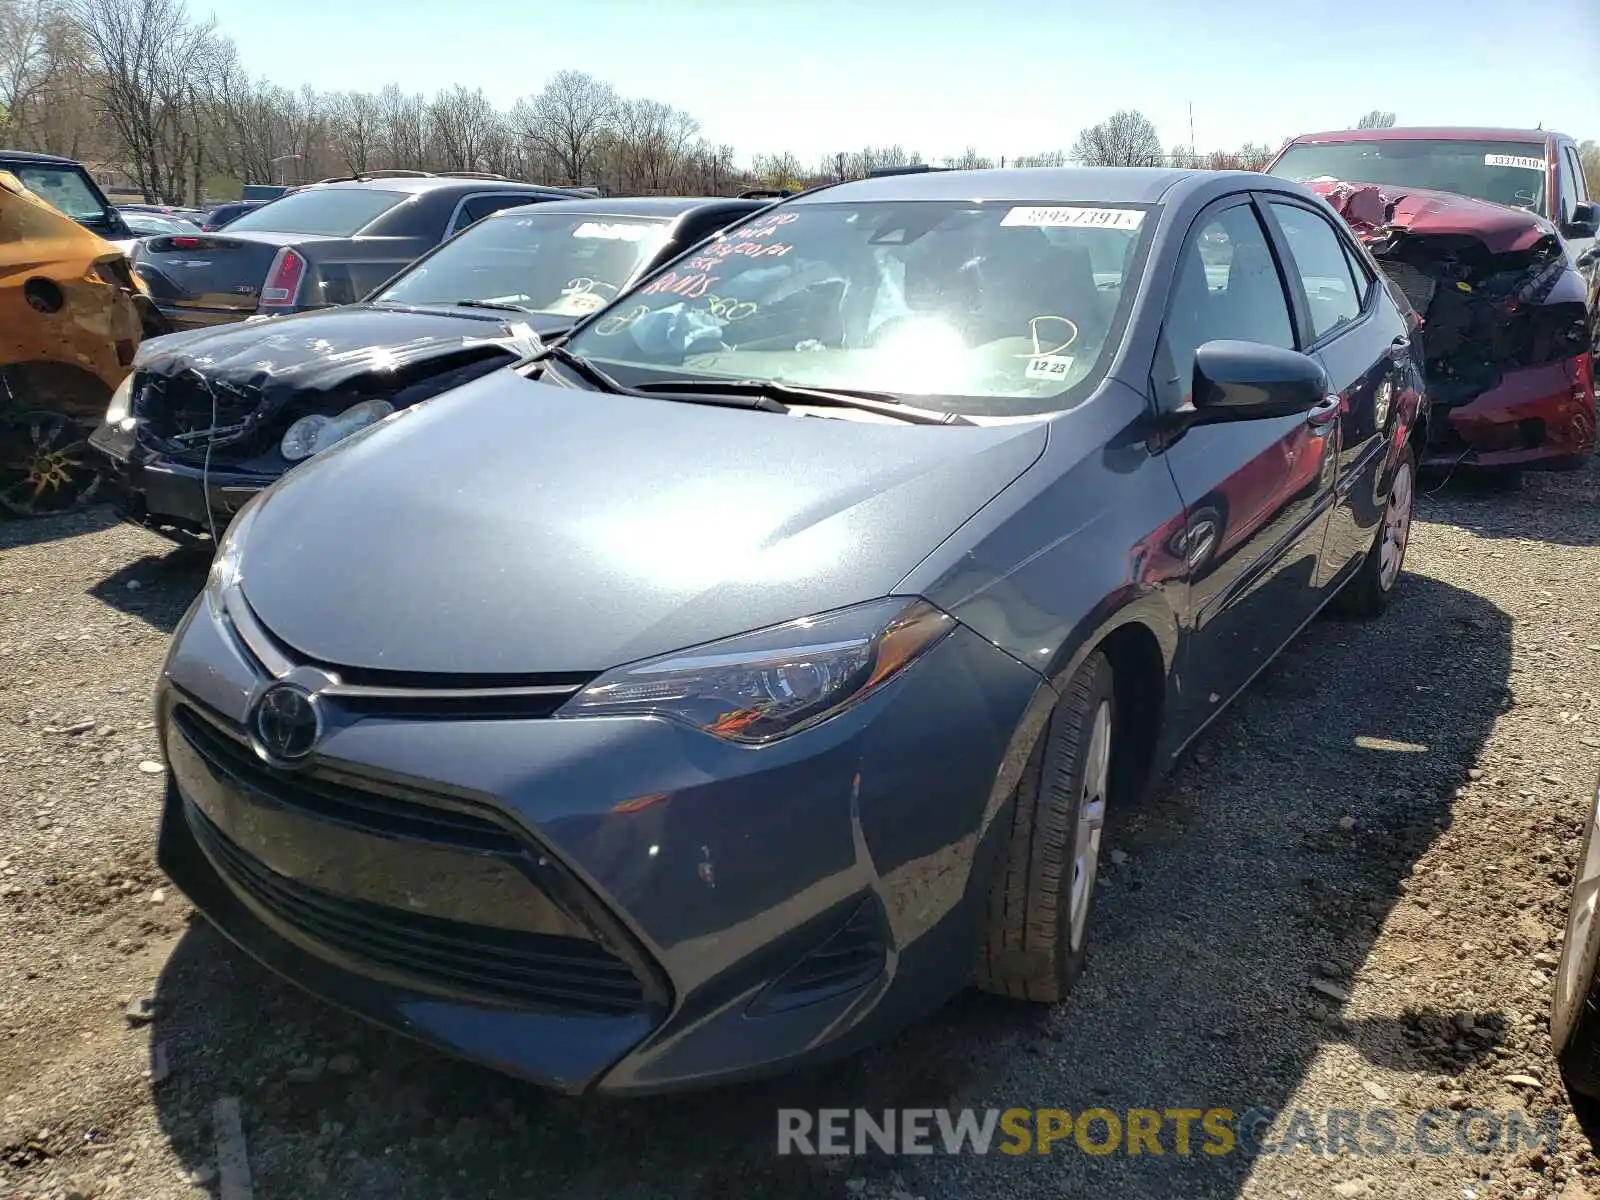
(1372, 587)
(1039, 904)
(46, 465)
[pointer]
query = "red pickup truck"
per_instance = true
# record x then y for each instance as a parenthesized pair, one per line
(1490, 234)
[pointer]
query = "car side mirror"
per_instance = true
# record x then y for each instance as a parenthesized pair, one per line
(1584, 222)
(1247, 381)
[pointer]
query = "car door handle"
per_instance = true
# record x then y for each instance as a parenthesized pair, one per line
(1323, 414)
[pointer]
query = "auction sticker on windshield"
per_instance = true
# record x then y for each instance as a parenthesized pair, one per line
(1075, 218)
(1048, 366)
(1515, 160)
(618, 233)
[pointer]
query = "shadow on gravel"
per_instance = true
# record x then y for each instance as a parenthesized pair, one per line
(36, 531)
(1559, 507)
(1261, 869)
(157, 588)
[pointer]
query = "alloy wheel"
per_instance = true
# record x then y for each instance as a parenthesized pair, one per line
(1091, 823)
(1396, 526)
(45, 465)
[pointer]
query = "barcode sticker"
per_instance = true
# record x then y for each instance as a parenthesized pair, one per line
(1515, 160)
(1075, 218)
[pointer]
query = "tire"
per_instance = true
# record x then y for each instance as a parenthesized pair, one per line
(46, 465)
(1036, 936)
(1575, 1007)
(1371, 589)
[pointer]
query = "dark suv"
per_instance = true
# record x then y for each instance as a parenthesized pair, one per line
(329, 243)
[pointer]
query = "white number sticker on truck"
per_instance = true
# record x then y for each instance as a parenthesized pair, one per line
(1515, 160)
(1075, 218)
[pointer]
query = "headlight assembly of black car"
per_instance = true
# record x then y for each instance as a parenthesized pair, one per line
(756, 687)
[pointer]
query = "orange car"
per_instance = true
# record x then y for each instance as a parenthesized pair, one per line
(71, 316)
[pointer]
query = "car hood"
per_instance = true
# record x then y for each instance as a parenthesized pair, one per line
(1426, 213)
(518, 527)
(327, 348)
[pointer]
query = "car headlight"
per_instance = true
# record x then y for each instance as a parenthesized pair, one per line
(757, 687)
(226, 567)
(314, 434)
(120, 409)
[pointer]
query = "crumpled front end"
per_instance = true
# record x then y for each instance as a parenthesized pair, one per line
(1505, 327)
(209, 410)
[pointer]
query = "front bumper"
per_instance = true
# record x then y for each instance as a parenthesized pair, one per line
(177, 500)
(1538, 418)
(740, 887)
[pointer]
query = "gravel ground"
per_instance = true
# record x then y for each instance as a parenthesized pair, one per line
(1349, 895)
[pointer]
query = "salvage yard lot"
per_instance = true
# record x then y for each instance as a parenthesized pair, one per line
(1392, 810)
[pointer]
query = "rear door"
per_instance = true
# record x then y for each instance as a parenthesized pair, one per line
(1345, 319)
(1257, 493)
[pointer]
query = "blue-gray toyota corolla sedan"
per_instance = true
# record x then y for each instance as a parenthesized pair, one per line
(756, 670)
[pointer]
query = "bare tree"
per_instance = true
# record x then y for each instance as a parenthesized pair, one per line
(404, 130)
(462, 124)
(969, 160)
(38, 46)
(778, 170)
(353, 130)
(1376, 119)
(567, 122)
(1124, 139)
(1050, 158)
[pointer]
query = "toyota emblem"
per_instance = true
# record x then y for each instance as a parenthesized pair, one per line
(287, 723)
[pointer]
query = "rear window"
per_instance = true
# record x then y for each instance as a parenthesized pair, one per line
(1511, 173)
(330, 212)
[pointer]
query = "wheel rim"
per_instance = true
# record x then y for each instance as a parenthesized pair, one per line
(1396, 528)
(1580, 920)
(45, 466)
(1091, 821)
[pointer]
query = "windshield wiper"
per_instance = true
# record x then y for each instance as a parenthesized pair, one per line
(587, 370)
(789, 394)
(494, 304)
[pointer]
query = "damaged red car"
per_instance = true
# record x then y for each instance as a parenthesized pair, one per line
(1490, 234)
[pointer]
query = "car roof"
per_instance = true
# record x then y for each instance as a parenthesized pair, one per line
(53, 160)
(665, 207)
(431, 183)
(1436, 133)
(1108, 185)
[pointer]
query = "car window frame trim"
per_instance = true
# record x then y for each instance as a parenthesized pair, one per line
(1301, 302)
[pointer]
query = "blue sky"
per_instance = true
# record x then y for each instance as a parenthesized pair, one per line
(818, 76)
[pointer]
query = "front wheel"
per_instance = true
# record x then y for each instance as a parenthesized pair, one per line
(1372, 587)
(1575, 1010)
(46, 465)
(1034, 945)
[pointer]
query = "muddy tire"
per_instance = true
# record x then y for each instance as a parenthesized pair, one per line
(46, 465)
(1037, 923)
(1371, 589)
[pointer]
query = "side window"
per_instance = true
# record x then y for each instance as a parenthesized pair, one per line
(1577, 173)
(1320, 266)
(1227, 287)
(1567, 186)
(479, 207)
(1359, 273)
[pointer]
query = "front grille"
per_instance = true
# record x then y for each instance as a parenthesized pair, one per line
(179, 409)
(340, 802)
(567, 975)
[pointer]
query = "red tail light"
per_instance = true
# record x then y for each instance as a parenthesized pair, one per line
(283, 280)
(184, 243)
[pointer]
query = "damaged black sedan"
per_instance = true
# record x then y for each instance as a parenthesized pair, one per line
(209, 417)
